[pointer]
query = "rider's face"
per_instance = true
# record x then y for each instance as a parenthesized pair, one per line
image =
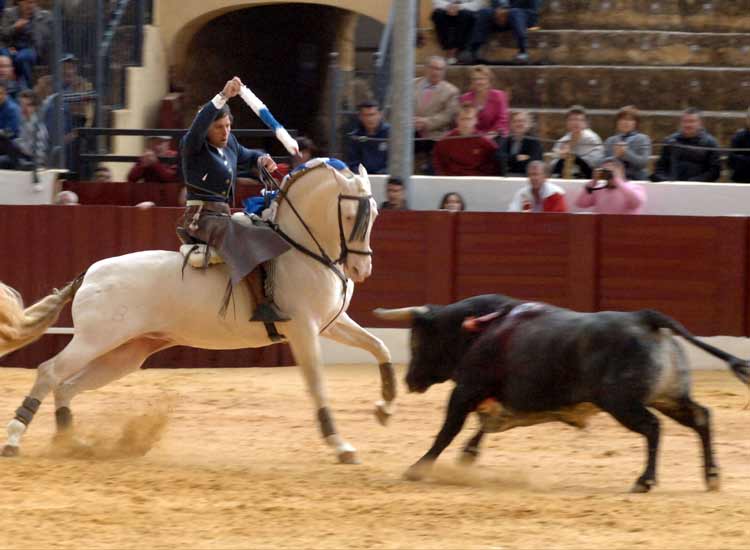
(218, 133)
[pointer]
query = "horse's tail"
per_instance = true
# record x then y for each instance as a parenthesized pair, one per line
(18, 326)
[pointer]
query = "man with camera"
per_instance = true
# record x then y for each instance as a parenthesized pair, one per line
(610, 193)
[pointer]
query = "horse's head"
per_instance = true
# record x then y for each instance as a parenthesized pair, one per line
(338, 211)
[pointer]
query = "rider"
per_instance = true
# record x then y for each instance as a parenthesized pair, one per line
(210, 154)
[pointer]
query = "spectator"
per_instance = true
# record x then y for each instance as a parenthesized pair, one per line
(33, 139)
(10, 114)
(516, 151)
(540, 195)
(454, 21)
(462, 152)
(452, 201)
(629, 145)
(368, 143)
(579, 150)
(609, 192)
(503, 15)
(102, 174)
(307, 151)
(81, 108)
(26, 31)
(739, 161)
(691, 154)
(8, 76)
(395, 195)
(67, 198)
(150, 167)
(491, 104)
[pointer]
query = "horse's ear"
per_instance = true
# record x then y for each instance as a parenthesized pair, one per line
(362, 171)
(340, 178)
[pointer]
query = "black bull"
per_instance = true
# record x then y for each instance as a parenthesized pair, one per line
(527, 363)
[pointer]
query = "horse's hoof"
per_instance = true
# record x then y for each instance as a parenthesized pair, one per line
(382, 414)
(10, 451)
(348, 457)
(642, 486)
(713, 483)
(416, 472)
(467, 458)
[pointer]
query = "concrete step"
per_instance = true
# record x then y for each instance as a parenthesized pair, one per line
(610, 87)
(550, 124)
(677, 15)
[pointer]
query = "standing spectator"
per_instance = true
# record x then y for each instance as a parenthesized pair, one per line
(516, 151)
(435, 107)
(103, 174)
(691, 154)
(464, 153)
(368, 143)
(491, 104)
(609, 192)
(395, 195)
(8, 76)
(502, 15)
(26, 31)
(33, 139)
(629, 145)
(540, 195)
(578, 151)
(150, 168)
(453, 202)
(739, 161)
(454, 21)
(81, 108)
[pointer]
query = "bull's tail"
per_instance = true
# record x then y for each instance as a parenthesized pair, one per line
(657, 320)
(20, 327)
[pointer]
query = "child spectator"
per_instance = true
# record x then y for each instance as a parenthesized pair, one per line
(464, 153)
(452, 201)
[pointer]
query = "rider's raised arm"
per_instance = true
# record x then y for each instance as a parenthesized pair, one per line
(193, 140)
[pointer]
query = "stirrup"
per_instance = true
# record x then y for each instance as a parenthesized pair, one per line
(268, 313)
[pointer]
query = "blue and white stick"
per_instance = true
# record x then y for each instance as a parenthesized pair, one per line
(265, 115)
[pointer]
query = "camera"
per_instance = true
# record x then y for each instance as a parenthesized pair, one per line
(604, 174)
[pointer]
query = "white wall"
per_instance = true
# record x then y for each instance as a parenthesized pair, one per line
(18, 187)
(494, 195)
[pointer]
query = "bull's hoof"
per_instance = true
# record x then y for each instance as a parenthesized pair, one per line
(642, 486)
(416, 472)
(382, 413)
(348, 457)
(713, 482)
(10, 451)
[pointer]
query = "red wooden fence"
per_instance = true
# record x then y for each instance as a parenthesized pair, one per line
(693, 268)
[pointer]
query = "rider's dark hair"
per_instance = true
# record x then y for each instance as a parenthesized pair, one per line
(224, 112)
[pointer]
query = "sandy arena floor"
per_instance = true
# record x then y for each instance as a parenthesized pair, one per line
(236, 462)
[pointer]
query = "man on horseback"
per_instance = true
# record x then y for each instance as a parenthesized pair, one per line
(210, 155)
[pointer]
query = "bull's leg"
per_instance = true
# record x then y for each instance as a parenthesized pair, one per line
(636, 417)
(462, 402)
(305, 345)
(470, 452)
(689, 413)
(346, 331)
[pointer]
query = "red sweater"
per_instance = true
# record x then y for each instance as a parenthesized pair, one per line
(469, 156)
(156, 173)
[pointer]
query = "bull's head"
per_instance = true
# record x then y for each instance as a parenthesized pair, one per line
(433, 345)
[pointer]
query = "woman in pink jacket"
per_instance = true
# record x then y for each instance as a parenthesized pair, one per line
(492, 104)
(616, 195)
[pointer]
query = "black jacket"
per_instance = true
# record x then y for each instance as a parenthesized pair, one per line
(509, 165)
(678, 163)
(739, 161)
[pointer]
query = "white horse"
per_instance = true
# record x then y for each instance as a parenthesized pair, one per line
(128, 307)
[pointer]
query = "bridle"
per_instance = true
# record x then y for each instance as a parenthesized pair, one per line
(359, 231)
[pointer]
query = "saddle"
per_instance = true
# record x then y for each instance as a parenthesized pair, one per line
(200, 255)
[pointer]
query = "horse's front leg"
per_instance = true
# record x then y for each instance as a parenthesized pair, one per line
(347, 331)
(305, 345)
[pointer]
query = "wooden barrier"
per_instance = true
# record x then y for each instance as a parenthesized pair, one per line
(693, 268)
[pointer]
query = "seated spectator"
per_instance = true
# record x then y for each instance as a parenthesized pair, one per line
(516, 151)
(10, 115)
(540, 195)
(452, 201)
(435, 107)
(82, 108)
(33, 139)
(578, 151)
(691, 154)
(502, 15)
(739, 161)
(629, 145)
(454, 21)
(609, 192)
(26, 31)
(150, 168)
(368, 143)
(307, 150)
(463, 152)
(491, 104)
(395, 193)
(102, 174)
(8, 77)
(67, 198)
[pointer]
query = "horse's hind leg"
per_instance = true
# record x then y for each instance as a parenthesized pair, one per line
(103, 370)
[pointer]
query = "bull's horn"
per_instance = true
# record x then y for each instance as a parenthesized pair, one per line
(401, 314)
